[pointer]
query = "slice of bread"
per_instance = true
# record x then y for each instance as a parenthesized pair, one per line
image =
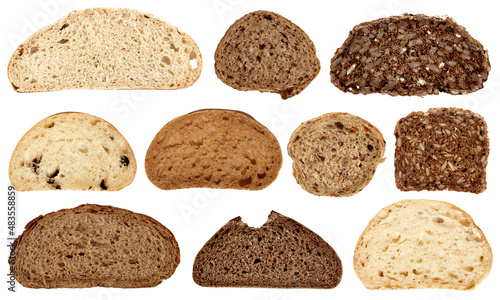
(442, 149)
(282, 253)
(414, 244)
(335, 154)
(410, 55)
(93, 245)
(72, 151)
(105, 48)
(264, 51)
(213, 148)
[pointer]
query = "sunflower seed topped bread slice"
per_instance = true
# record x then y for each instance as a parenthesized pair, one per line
(442, 149)
(335, 154)
(282, 253)
(213, 148)
(415, 244)
(105, 48)
(410, 55)
(264, 51)
(72, 151)
(93, 245)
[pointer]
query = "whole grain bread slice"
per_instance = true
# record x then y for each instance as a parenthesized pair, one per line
(93, 245)
(414, 244)
(72, 151)
(441, 149)
(410, 55)
(282, 253)
(264, 51)
(213, 148)
(335, 154)
(105, 48)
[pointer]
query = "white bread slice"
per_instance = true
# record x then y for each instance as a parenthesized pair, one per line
(72, 151)
(105, 48)
(415, 244)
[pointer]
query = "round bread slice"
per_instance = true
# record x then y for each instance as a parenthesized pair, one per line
(415, 244)
(335, 154)
(72, 151)
(108, 49)
(93, 245)
(264, 51)
(213, 148)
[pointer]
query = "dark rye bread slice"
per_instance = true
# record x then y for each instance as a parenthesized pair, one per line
(213, 148)
(93, 245)
(410, 55)
(442, 149)
(264, 51)
(282, 253)
(335, 154)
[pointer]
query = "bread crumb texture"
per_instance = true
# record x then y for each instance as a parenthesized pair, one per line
(105, 48)
(282, 253)
(414, 244)
(72, 151)
(213, 149)
(93, 245)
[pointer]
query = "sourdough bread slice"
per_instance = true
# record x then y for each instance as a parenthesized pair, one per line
(93, 245)
(105, 48)
(335, 154)
(415, 244)
(282, 253)
(213, 148)
(442, 149)
(263, 51)
(72, 151)
(410, 55)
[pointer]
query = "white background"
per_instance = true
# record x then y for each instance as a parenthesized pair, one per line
(194, 215)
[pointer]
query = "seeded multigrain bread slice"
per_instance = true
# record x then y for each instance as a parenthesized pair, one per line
(105, 48)
(282, 253)
(93, 245)
(213, 148)
(410, 55)
(264, 51)
(415, 244)
(442, 149)
(335, 154)
(72, 151)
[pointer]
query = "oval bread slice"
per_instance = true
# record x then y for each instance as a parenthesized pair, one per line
(72, 151)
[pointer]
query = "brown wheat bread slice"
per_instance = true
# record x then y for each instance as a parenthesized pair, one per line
(93, 245)
(282, 253)
(264, 51)
(442, 149)
(410, 55)
(213, 148)
(335, 154)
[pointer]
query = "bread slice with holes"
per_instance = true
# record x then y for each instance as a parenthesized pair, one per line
(72, 151)
(282, 253)
(213, 148)
(108, 49)
(414, 244)
(93, 245)
(335, 154)
(264, 51)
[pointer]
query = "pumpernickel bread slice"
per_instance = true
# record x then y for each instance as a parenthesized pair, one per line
(282, 253)
(415, 244)
(105, 48)
(335, 154)
(72, 151)
(93, 245)
(264, 51)
(213, 148)
(410, 55)
(442, 149)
